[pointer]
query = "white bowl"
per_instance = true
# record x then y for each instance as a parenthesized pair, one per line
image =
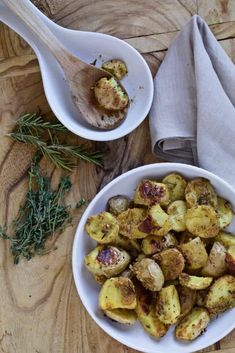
(134, 336)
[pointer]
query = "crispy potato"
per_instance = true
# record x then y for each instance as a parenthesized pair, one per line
(176, 211)
(227, 239)
(149, 274)
(199, 191)
(149, 192)
(160, 221)
(116, 67)
(201, 296)
(225, 212)
(154, 243)
(117, 293)
(146, 314)
(123, 316)
(129, 222)
(202, 221)
(168, 305)
(100, 279)
(130, 245)
(195, 253)
(215, 266)
(187, 299)
(102, 227)
(176, 185)
(193, 324)
(118, 204)
(171, 262)
(194, 282)
(107, 261)
(221, 295)
(230, 259)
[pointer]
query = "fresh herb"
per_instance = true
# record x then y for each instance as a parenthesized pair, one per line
(32, 129)
(80, 203)
(43, 214)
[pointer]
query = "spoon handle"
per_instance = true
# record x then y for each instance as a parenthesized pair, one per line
(24, 10)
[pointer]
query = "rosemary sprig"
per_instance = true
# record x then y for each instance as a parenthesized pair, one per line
(42, 216)
(32, 129)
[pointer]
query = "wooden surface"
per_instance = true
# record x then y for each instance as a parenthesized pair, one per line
(40, 310)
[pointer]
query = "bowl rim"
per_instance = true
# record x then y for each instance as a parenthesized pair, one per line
(80, 228)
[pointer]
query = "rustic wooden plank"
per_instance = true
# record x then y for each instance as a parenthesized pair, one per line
(216, 11)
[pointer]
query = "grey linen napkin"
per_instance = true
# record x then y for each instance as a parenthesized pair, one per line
(192, 119)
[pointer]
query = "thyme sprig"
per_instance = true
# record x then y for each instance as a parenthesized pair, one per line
(32, 129)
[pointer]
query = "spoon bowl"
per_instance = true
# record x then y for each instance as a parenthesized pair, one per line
(89, 47)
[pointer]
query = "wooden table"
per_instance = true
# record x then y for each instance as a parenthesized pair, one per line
(40, 311)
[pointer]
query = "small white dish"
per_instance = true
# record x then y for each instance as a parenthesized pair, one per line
(88, 46)
(134, 336)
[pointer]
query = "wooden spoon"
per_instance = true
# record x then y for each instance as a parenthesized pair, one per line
(81, 77)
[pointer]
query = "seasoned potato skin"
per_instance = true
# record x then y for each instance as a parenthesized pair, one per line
(168, 305)
(176, 185)
(187, 299)
(118, 204)
(115, 67)
(102, 227)
(176, 211)
(194, 282)
(123, 316)
(195, 254)
(117, 293)
(146, 314)
(149, 274)
(225, 212)
(221, 295)
(129, 222)
(171, 262)
(230, 260)
(227, 239)
(202, 221)
(153, 244)
(216, 265)
(193, 324)
(150, 192)
(160, 221)
(107, 261)
(199, 191)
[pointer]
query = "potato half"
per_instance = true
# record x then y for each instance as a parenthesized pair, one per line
(149, 274)
(129, 222)
(171, 262)
(215, 266)
(102, 227)
(117, 293)
(168, 305)
(176, 185)
(107, 260)
(116, 67)
(195, 254)
(194, 282)
(202, 221)
(221, 295)
(118, 204)
(225, 212)
(199, 191)
(123, 316)
(187, 299)
(150, 192)
(160, 221)
(176, 211)
(193, 324)
(154, 243)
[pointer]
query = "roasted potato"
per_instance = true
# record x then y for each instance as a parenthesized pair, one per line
(195, 254)
(154, 243)
(193, 324)
(171, 262)
(100, 279)
(123, 316)
(176, 211)
(202, 221)
(221, 295)
(115, 67)
(215, 266)
(225, 212)
(117, 293)
(227, 239)
(130, 245)
(185, 237)
(149, 192)
(230, 259)
(201, 296)
(118, 204)
(129, 222)
(149, 274)
(160, 221)
(199, 191)
(168, 305)
(187, 299)
(176, 185)
(194, 282)
(102, 227)
(107, 261)
(146, 313)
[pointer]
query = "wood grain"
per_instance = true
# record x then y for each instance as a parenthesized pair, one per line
(41, 311)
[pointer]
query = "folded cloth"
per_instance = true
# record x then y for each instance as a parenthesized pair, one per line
(192, 119)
